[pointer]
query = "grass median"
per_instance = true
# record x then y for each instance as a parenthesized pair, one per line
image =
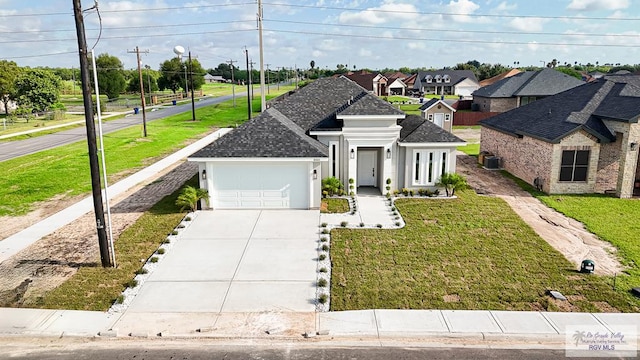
(34, 178)
(473, 252)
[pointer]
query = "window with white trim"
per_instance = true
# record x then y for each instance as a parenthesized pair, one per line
(430, 117)
(429, 166)
(447, 117)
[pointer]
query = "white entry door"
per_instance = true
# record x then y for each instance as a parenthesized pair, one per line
(367, 161)
(438, 119)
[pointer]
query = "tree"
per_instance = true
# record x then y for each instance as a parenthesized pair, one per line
(171, 75)
(189, 197)
(111, 76)
(9, 71)
(148, 77)
(570, 71)
(452, 182)
(37, 89)
(198, 72)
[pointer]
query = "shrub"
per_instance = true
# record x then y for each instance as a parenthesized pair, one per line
(154, 259)
(189, 197)
(166, 241)
(324, 231)
(405, 191)
(188, 218)
(332, 186)
(325, 247)
(361, 224)
(180, 226)
(323, 270)
(452, 182)
(393, 208)
(323, 239)
(322, 282)
(397, 223)
(174, 232)
(119, 299)
(141, 271)
(131, 283)
(160, 251)
(351, 181)
(379, 226)
(322, 257)
(323, 298)
(411, 193)
(396, 192)
(324, 225)
(388, 181)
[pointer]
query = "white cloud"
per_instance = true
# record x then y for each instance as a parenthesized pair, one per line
(462, 9)
(504, 7)
(533, 46)
(379, 15)
(591, 5)
(528, 24)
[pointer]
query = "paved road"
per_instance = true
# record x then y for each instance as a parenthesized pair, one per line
(14, 149)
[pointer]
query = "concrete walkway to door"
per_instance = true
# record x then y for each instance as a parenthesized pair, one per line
(236, 261)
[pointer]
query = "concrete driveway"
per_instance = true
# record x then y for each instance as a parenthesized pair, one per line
(237, 261)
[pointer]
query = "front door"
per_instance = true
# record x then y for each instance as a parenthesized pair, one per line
(438, 119)
(367, 160)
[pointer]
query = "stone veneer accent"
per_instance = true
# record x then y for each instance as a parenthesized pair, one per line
(609, 165)
(495, 104)
(576, 141)
(628, 162)
(526, 158)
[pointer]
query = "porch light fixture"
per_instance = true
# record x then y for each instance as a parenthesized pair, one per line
(388, 153)
(315, 174)
(204, 174)
(634, 146)
(352, 154)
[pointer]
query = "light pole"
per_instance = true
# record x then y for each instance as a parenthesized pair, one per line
(179, 50)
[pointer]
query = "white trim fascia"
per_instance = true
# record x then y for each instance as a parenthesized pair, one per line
(270, 159)
(325, 133)
(431, 145)
(370, 117)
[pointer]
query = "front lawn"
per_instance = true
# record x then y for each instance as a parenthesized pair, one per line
(470, 149)
(473, 252)
(334, 206)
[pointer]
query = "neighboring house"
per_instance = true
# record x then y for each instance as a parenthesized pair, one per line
(410, 82)
(446, 82)
(495, 79)
(583, 140)
(374, 83)
(331, 127)
(438, 112)
(521, 89)
(208, 78)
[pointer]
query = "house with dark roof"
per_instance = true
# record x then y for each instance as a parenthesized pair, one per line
(521, 89)
(495, 79)
(446, 82)
(438, 112)
(582, 140)
(374, 83)
(330, 128)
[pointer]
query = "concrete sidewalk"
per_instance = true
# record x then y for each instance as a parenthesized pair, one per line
(15, 243)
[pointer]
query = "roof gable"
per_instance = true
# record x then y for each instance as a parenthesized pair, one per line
(431, 103)
(544, 82)
(416, 129)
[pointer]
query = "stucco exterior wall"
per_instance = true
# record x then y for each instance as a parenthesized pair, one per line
(526, 158)
(495, 104)
(576, 141)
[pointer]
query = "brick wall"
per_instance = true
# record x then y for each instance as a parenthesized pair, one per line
(628, 162)
(526, 158)
(495, 104)
(608, 165)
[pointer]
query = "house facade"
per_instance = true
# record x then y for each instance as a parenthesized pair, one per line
(374, 83)
(584, 140)
(446, 82)
(330, 128)
(438, 112)
(521, 89)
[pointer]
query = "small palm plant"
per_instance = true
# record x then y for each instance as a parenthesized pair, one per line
(452, 182)
(189, 197)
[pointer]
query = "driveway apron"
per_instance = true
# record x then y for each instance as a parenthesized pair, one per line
(237, 261)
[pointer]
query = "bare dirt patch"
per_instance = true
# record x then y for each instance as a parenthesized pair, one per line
(451, 298)
(50, 261)
(566, 235)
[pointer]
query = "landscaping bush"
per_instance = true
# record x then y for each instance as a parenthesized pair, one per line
(332, 186)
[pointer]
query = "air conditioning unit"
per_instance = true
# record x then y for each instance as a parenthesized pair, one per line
(492, 162)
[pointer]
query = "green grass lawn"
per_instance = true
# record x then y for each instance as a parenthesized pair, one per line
(334, 205)
(95, 288)
(30, 179)
(470, 149)
(21, 124)
(473, 252)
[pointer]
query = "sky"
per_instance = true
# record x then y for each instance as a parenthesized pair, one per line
(373, 34)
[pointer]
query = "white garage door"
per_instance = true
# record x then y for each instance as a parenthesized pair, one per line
(260, 186)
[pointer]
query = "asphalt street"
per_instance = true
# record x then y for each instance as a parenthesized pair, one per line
(14, 149)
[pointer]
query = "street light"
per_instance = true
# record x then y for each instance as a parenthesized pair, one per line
(179, 50)
(149, 83)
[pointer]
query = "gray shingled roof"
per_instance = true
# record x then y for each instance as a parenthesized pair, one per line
(581, 108)
(456, 77)
(416, 129)
(428, 104)
(269, 135)
(369, 104)
(543, 82)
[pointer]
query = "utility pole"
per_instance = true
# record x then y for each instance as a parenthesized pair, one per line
(263, 96)
(193, 101)
(142, 100)
(251, 63)
(233, 82)
(278, 83)
(91, 136)
(246, 53)
(268, 80)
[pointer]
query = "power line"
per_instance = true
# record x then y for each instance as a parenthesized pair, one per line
(128, 27)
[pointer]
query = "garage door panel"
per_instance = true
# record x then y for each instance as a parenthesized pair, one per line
(260, 186)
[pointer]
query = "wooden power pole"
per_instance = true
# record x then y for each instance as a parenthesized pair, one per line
(144, 113)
